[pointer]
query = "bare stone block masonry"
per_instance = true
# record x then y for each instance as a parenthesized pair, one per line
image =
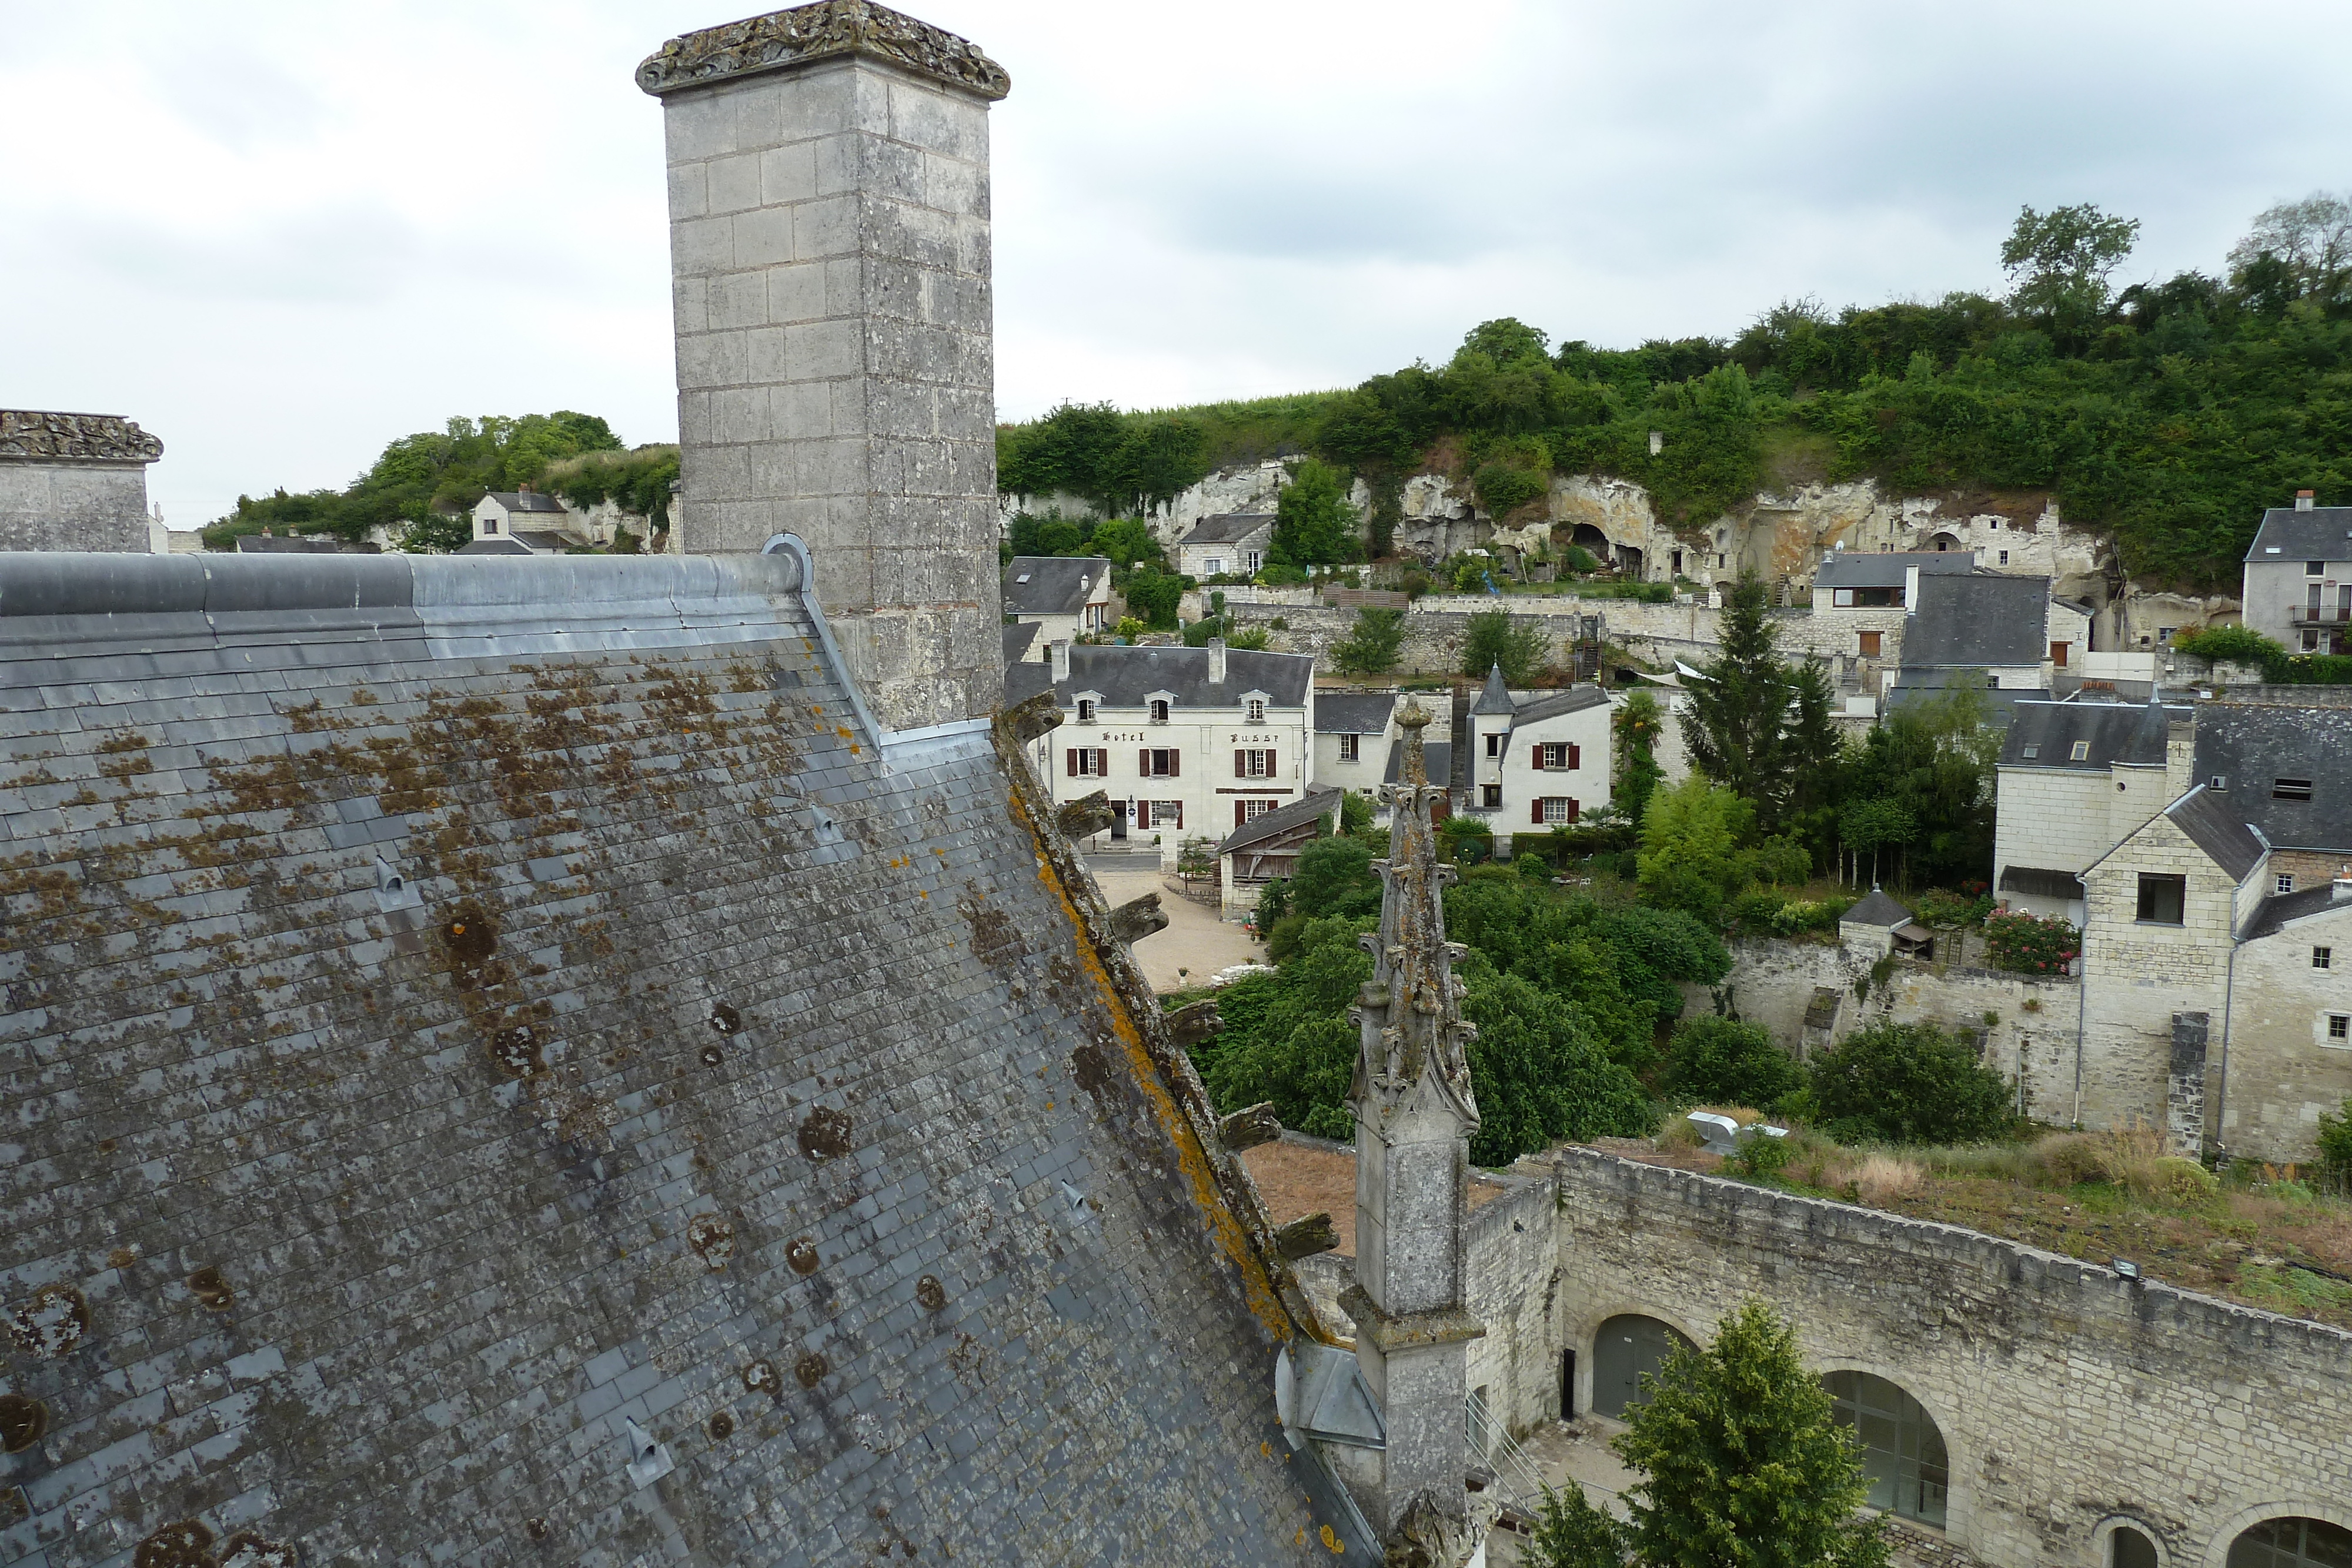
(73, 481)
(829, 238)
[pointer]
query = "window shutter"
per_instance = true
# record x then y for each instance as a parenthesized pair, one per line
(1179, 812)
(1102, 762)
(1571, 809)
(1537, 818)
(1241, 764)
(1535, 755)
(1073, 762)
(1143, 763)
(1175, 765)
(1575, 755)
(1273, 766)
(1241, 813)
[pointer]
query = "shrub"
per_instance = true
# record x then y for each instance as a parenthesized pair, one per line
(2030, 943)
(1371, 647)
(1578, 560)
(1493, 639)
(1908, 1084)
(1466, 840)
(1802, 915)
(2234, 644)
(2335, 1140)
(1728, 1060)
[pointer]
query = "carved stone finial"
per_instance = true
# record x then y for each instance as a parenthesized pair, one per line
(1138, 918)
(1306, 1236)
(1249, 1127)
(1085, 816)
(1196, 1023)
(1033, 716)
(830, 30)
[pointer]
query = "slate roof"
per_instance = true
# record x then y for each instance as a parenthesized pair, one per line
(1977, 619)
(1888, 569)
(2251, 745)
(1019, 640)
(2323, 533)
(525, 501)
(1495, 697)
(1282, 819)
(1877, 910)
(654, 1087)
(1227, 527)
(2128, 733)
(502, 544)
(2213, 827)
(1054, 585)
(1436, 760)
(2277, 910)
(1572, 699)
(1125, 677)
(302, 544)
(1353, 712)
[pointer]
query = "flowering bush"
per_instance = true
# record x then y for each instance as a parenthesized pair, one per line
(2030, 944)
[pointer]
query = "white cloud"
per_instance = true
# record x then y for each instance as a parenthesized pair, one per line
(279, 235)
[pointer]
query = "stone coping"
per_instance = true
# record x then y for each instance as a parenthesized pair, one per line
(33, 435)
(807, 34)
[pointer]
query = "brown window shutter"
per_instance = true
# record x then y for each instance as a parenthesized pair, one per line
(1175, 765)
(1241, 764)
(1073, 761)
(1535, 755)
(1571, 808)
(1180, 815)
(1102, 762)
(1273, 767)
(1241, 812)
(1143, 762)
(1537, 818)
(1575, 756)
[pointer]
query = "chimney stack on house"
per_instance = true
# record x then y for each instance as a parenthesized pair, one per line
(2341, 888)
(829, 244)
(1060, 650)
(2303, 500)
(1216, 661)
(1911, 589)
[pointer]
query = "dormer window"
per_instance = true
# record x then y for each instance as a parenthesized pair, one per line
(1086, 710)
(489, 524)
(1159, 710)
(2314, 568)
(2082, 752)
(1256, 710)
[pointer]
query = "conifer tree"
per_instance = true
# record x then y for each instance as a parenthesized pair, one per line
(1756, 726)
(1743, 1464)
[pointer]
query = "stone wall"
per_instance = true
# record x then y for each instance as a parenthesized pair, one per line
(2068, 1398)
(2285, 1070)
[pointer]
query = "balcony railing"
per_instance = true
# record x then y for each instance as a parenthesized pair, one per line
(2321, 615)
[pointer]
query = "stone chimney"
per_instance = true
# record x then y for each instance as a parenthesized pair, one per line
(1060, 651)
(2303, 500)
(2341, 888)
(829, 252)
(1216, 661)
(74, 482)
(1414, 1115)
(1910, 590)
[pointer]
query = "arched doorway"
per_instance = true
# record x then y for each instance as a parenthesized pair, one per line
(2293, 1543)
(1623, 1349)
(2128, 1546)
(1943, 543)
(1903, 1454)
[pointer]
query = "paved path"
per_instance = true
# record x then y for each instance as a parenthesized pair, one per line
(1195, 939)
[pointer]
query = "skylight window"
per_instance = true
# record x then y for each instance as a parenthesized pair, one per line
(1022, 578)
(2082, 752)
(2031, 752)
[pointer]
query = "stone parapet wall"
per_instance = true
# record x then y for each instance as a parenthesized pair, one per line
(2067, 1397)
(74, 482)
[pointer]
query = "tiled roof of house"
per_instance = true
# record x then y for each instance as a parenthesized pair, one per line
(1977, 621)
(2323, 533)
(525, 501)
(2252, 746)
(1227, 527)
(1282, 819)
(1353, 712)
(2045, 735)
(2211, 824)
(1127, 678)
(1875, 910)
(1887, 569)
(1051, 584)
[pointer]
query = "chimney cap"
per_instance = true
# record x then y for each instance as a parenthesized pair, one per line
(2303, 500)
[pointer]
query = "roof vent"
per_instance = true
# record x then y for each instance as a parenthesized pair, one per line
(392, 889)
(648, 1460)
(2303, 500)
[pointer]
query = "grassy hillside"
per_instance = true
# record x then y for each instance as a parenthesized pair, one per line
(2171, 413)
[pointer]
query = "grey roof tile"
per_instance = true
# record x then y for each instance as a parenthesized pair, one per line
(2252, 747)
(2323, 533)
(1051, 584)
(2212, 826)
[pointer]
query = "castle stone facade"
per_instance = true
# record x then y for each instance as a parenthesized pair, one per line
(74, 482)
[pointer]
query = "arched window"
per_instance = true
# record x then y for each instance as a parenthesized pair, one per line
(1159, 710)
(1943, 542)
(1624, 1350)
(2293, 1543)
(1903, 1456)
(2129, 1547)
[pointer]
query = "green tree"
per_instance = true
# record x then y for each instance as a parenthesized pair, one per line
(1923, 782)
(1313, 523)
(436, 533)
(1492, 638)
(1908, 1084)
(1154, 596)
(1754, 724)
(1637, 723)
(1570, 1533)
(1540, 1072)
(2059, 263)
(1729, 1061)
(1691, 839)
(1743, 1464)
(1373, 645)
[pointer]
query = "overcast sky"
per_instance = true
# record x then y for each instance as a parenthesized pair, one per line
(280, 234)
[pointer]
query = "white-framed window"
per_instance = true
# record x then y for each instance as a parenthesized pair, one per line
(1351, 748)
(2339, 1029)
(1495, 743)
(1214, 564)
(2004, 557)
(1162, 763)
(1253, 762)
(1555, 754)
(1257, 710)
(2314, 568)
(1086, 710)
(1086, 761)
(2286, 882)
(1251, 811)
(1556, 809)
(1167, 813)
(489, 524)
(2322, 958)
(1256, 560)
(2311, 641)
(1159, 710)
